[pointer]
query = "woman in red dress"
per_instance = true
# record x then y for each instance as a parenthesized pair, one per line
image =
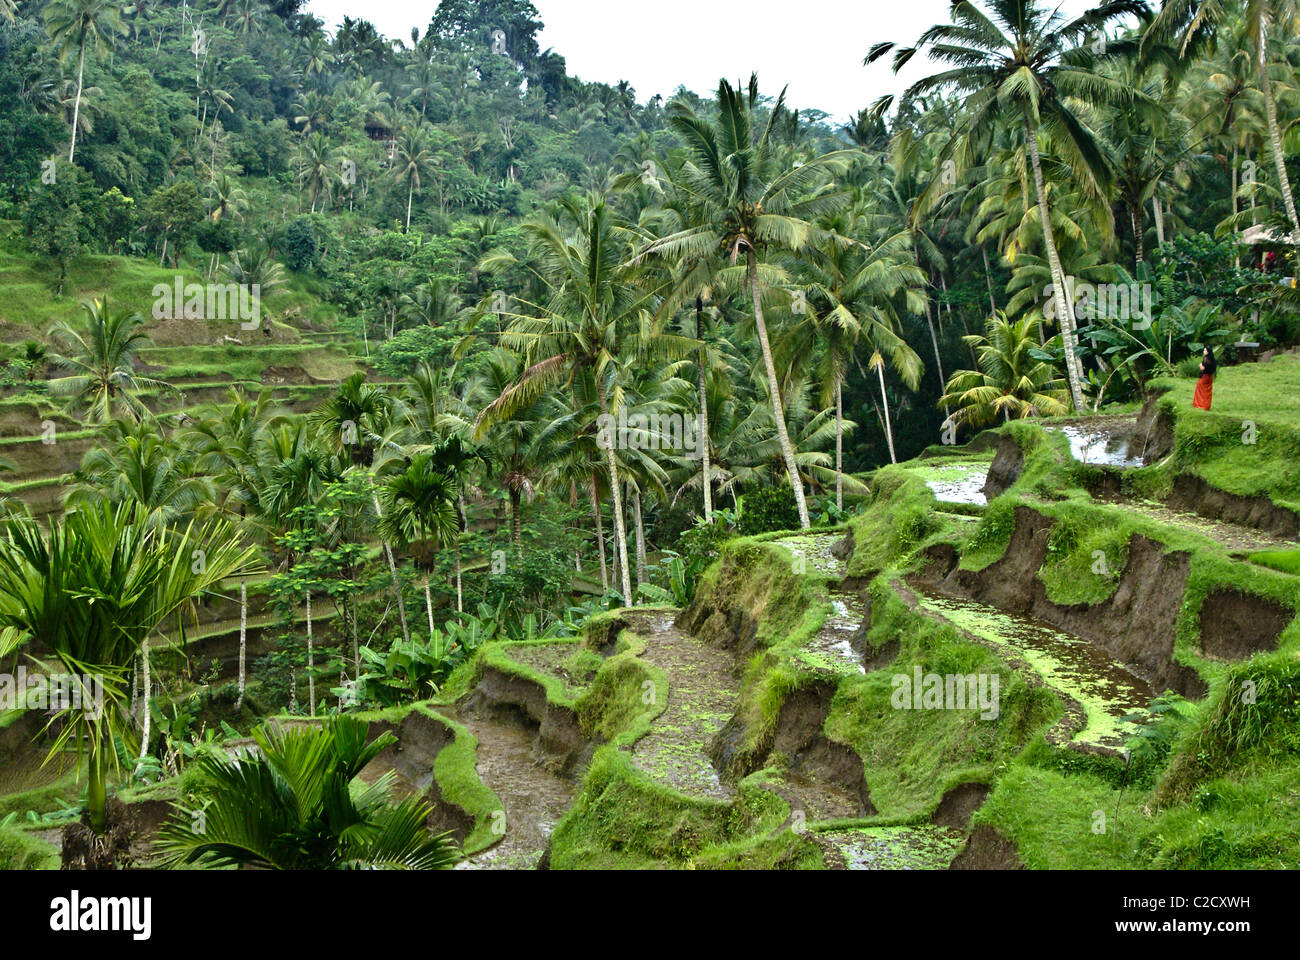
(1205, 386)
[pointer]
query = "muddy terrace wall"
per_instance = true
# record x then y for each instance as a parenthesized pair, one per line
(841, 729)
(1019, 455)
(420, 738)
(1138, 623)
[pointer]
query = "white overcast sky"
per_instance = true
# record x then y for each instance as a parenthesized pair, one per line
(815, 46)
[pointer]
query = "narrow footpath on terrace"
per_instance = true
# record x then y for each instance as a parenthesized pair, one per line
(701, 697)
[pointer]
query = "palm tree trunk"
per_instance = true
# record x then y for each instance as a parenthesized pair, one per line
(988, 279)
(884, 406)
(392, 572)
(146, 681)
(620, 530)
(1236, 260)
(600, 534)
(640, 538)
(243, 639)
(1064, 312)
(428, 600)
(460, 599)
(1275, 140)
(311, 663)
(76, 106)
(839, 445)
(410, 194)
(774, 388)
(516, 524)
(1158, 210)
(356, 642)
(934, 340)
(1135, 218)
(700, 378)
(96, 785)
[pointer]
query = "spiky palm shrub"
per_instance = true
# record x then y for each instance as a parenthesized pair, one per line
(89, 592)
(295, 805)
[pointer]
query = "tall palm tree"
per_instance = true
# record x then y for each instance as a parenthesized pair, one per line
(354, 422)
(748, 201)
(315, 163)
(1193, 26)
(412, 160)
(420, 505)
(99, 359)
(856, 293)
(76, 24)
(1010, 383)
(296, 803)
(90, 591)
(597, 314)
(230, 445)
(1023, 62)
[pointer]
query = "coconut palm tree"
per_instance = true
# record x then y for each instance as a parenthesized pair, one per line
(89, 592)
(76, 24)
(413, 160)
(854, 295)
(100, 360)
(746, 200)
(297, 803)
(137, 466)
(1011, 383)
(597, 313)
(1023, 62)
(315, 163)
(1192, 26)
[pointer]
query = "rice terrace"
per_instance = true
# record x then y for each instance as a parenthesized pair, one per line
(414, 456)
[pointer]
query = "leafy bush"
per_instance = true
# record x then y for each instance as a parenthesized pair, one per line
(703, 541)
(766, 509)
(299, 248)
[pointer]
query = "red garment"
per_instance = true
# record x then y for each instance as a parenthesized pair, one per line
(1204, 392)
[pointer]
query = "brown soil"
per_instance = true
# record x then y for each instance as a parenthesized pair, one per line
(534, 797)
(1137, 623)
(1235, 624)
(825, 779)
(276, 376)
(1156, 427)
(503, 697)
(127, 840)
(1193, 495)
(958, 804)
(1008, 462)
(420, 738)
(987, 849)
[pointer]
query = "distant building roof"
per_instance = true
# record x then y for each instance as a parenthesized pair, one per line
(1259, 234)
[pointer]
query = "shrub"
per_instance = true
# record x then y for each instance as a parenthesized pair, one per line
(766, 509)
